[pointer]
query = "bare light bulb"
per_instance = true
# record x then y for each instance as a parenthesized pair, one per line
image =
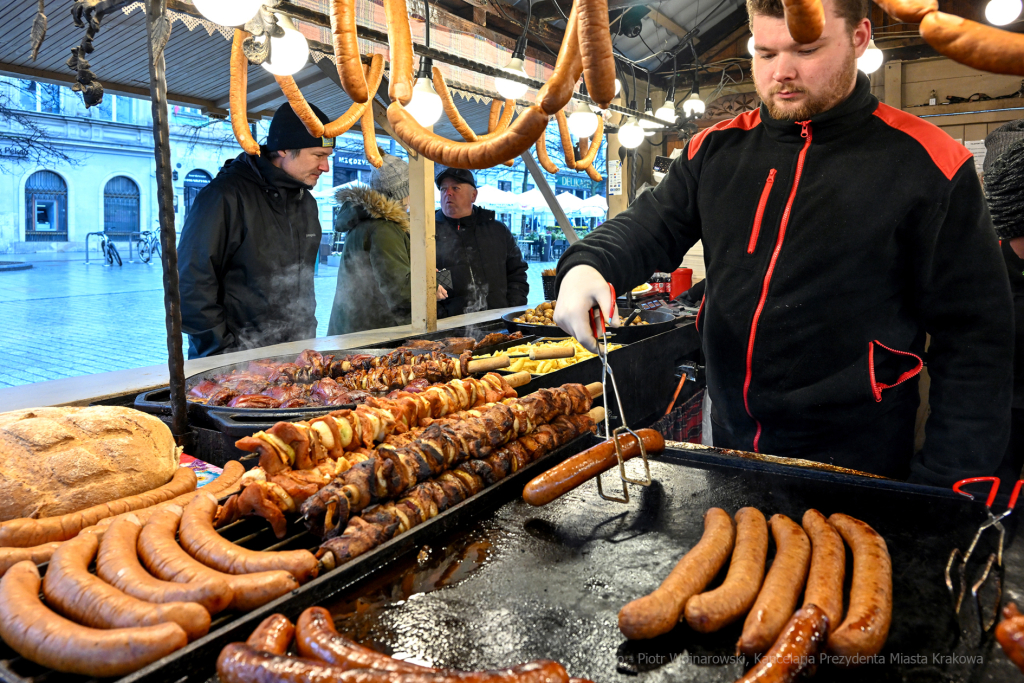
(666, 112)
(228, 12)
(872, 58)
(512, 90)
(425, 105)
(631, 134)
(1002, 12)
(582, 121)
(289, 53)
(694, 105)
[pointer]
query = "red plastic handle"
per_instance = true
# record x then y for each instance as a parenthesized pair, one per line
(595, 315)
(992, 492)
(1016, 492)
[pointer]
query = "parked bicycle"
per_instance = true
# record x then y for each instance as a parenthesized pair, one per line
(149, 244)
(109, 251)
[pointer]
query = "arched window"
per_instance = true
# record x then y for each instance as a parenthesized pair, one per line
(121, 205)
(46, 208)
(194, 181)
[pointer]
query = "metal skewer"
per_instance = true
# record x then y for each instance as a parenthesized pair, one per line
(597, 323)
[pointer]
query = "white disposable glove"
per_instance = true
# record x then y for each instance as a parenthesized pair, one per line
(582, 289)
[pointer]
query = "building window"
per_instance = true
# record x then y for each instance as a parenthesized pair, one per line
(505, 185)
(121, 206)
(46, 208)
(194, 181)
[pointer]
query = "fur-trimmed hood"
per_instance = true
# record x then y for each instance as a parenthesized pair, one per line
(360, 203)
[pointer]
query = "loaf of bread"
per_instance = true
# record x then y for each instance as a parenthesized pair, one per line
(59, 460)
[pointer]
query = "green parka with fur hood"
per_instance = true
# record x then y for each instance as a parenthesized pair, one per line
(373, 281)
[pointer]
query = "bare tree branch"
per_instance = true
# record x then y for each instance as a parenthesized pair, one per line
(27, 143)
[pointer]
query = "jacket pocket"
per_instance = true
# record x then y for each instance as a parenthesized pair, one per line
(756, 230)
(876, 386)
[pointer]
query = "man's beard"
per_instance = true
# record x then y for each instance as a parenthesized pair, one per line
(835, 92)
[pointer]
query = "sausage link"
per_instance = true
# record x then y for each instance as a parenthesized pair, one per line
(510, 143)
(314, 126)
(805, 19)
(198, 537)
(316, 638)
(658, 613)
(343, 123)
(237, 96)
(26, 532)
(976, 45)
(795, 650)
(596, 50)
(1010, 634)
(594, 175)
(557, 92)
(346, 51)
(542, 154)
(273, 635)
(239, 663)
(866, 627)
(166, 560)
(828, 566)
(118, 564)
(49, 639)
(450, 110)
(506, 110)
(591, 152)
(586, 465)
(90, 601)
(716, 609)
(370, 149)
(563, 133)
(908, 11)
(400, 43)
(37, 554)
(494, 115)
(781, 589)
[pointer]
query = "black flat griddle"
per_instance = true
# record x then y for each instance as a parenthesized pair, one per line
(660, 321)
(552, 579)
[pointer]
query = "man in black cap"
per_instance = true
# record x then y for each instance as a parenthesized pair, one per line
(487, 268)
(250, 244)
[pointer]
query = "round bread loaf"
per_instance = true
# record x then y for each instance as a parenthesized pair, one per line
(59, 460)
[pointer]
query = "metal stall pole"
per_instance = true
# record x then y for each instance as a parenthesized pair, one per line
(158, 31)
(422, 254)
(549, 197)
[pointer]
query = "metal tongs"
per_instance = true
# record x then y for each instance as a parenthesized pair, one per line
(995, 560)
(597, 324)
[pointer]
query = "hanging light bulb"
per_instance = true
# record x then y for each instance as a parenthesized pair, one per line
(630, 133)
(582, 120)
(750, 46)
(693, 106)
(666, 112)
(647, 124)
(228, 12)
(512, 90)
(425, 105)
(289, 53)
(1002, 12)
(872, 57)
(618, 87)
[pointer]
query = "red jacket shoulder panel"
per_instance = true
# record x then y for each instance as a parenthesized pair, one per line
(745, 121)
(947, 154)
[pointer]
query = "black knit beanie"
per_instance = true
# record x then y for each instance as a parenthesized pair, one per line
(1004, 188)
(288, 132)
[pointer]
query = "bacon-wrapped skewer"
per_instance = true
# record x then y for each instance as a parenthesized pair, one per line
(398, 466)
(380, 523)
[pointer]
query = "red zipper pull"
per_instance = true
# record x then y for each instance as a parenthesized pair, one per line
(806, 132)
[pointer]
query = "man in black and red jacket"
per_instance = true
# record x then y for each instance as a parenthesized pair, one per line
(837, 233)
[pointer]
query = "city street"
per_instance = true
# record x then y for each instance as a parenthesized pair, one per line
(63, 318)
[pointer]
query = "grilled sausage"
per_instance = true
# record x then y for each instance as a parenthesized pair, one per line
(26, 532)
(805, 19)
(46, 638)
(716, 609)
(542, 153)
(315, 127)
(591, 153)
(118, 564)
(237, 96)
(201, 540)
(557, 92)
(239, 663)
(828, 566)
(586, 465)
(866, 627)
(400, 43)
(90, 601)
(165, 559)
(782, 586)
(795, 649)
(316, 638)
(1010, 634)
(346, 51)
(273, 635)
(658, 613)
(354, 113)
(976, 45)
(37, 554)
(595, 40)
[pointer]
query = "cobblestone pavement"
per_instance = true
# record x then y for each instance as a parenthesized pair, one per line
(65, 318)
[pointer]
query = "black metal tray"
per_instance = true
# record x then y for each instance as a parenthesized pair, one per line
(660, 321)
(555, 578)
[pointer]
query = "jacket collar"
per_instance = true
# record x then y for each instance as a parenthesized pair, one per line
(478, 217)
(844, 117)
(359, 203)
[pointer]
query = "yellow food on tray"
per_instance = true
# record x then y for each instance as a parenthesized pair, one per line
(542, 315)
(642, 289)
(543, 367)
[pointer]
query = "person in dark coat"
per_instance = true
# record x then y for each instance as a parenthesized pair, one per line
(838, 232)
(1004, 189)
(487, 267)
(373, 280)
(250, 244)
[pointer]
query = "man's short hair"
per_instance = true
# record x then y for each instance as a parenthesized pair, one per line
(293, 153)
(850, 10)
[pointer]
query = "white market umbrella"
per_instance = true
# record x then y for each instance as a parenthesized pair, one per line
(569, 202)
(532, 200)
(491, 197)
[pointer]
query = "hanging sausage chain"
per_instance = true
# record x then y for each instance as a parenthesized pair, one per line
(978, 46)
